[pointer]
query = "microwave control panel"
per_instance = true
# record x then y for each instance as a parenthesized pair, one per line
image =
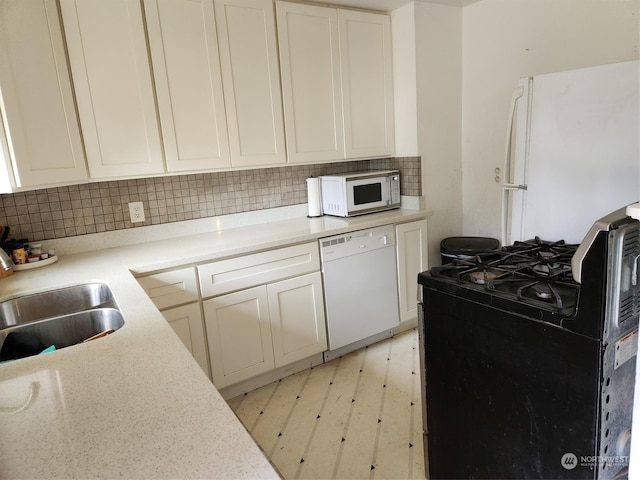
(395, 190)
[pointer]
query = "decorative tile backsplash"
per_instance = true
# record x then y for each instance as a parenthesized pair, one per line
(101, 207)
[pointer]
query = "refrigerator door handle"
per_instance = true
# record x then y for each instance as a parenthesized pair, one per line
(507, 171)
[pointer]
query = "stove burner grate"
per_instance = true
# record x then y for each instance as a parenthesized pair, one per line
(534, 271)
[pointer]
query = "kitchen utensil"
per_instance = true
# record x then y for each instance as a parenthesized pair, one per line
(99, 335)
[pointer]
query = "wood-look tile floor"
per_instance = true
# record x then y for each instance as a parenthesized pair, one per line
(358, 416)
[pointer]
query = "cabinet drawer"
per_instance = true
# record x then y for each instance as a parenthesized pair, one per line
(168, 289)
(256, 269)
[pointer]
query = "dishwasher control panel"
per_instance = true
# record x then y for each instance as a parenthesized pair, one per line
(353, 243)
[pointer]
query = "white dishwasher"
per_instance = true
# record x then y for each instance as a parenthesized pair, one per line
(360, 288)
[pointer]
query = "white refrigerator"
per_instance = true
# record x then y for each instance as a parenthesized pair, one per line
(573, 151)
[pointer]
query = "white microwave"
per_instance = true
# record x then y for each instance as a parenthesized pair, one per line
(350, 194)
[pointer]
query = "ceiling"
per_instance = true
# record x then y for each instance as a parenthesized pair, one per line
(388, 5)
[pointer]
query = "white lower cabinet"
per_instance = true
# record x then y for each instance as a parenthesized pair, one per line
(411, 250)
(175, 293)
(253, 331)
(239, 335)
(186, 321)
(265, 310)
(261, 311)
(296, 311)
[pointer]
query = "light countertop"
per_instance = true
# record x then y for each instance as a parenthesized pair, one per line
(135, 404)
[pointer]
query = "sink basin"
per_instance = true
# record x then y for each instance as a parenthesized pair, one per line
(60, 317)
(71, 329)
(54, 303)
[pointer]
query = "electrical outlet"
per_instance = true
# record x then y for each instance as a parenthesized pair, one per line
(136, 211)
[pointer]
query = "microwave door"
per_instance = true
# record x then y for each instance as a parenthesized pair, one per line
(364, 194)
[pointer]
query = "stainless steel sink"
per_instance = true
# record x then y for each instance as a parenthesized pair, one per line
(71, 329)
(60, 317)
(53, 303)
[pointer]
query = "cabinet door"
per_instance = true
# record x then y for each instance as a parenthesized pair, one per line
(310, 66)
(112, 79)
(298, 325)
(186, 68)
(42, 133)
(239, 335)
(367, 88)
(411, 245)
(249, 58)
(186, 321)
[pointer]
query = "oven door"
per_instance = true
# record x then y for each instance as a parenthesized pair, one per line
(366, 195)
(506, 396)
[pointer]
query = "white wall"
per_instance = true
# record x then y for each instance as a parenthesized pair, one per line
(503, 40)
(438, 73)
(403, 41)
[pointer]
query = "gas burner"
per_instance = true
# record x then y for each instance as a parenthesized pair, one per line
(461, 269)
(551, 269)
(483, 277)
(542, 291)
(557, 294)
(545, 268)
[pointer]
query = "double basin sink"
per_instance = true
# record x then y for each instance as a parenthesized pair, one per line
(60, 317)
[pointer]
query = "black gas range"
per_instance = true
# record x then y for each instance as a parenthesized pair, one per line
(535, 272)
(519, 366)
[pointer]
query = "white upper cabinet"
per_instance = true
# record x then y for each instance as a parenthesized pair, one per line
(159, 86)
(112, 78)
(249, 59)
(184, 51)
(41, 138)
(337, 82)
(367, 88)
(310, 66)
